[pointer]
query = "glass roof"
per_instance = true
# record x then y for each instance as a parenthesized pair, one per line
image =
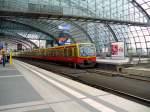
(136, 37)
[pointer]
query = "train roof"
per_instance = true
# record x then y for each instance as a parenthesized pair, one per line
(75, 44)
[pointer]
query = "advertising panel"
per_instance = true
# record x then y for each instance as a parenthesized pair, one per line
(117, 50)
(64, 38)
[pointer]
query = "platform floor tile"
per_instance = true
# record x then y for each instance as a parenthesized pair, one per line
(9, 72)
(41, 110)
(16, 90)
(67, 106)
(125, 104)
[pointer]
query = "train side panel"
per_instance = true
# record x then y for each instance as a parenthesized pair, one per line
(67, 54)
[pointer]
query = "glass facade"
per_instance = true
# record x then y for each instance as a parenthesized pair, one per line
(136, 37)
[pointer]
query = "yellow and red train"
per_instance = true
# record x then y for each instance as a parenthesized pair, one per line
(81, 54)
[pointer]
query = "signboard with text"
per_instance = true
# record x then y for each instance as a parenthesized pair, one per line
(117, 50)
(63, 38)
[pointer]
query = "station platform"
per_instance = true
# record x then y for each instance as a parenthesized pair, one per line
(26, 88)
(140, 70)
(115, 64)
(109, 60)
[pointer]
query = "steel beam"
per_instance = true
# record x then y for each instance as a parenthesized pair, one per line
(34, 15)
(112, 32)
(13, 41)
(136, 4)
(82, 29)
(17, 36)
(28, 25)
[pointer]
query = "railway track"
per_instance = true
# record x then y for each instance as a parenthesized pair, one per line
(85, 76)
(117, 74)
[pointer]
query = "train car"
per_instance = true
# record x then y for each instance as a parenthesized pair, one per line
(80, 54)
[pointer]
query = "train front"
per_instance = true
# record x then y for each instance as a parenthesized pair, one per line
(87, 55)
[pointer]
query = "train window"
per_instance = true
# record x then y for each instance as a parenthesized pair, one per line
(65, 52)
(53, 53)
(57, 52)
(70, 52)
(75, 52)
(46, 52)
(49, 53)
(42, 52)
(62, 52)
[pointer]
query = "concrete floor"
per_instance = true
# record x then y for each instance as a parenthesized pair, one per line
(109, 60)
(26, 88)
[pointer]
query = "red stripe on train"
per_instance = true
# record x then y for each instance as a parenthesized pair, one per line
(65, 59)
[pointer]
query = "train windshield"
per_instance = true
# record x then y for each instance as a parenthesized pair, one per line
(87, 50)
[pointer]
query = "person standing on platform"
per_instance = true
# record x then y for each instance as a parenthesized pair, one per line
(8, 58)
(3, 57)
